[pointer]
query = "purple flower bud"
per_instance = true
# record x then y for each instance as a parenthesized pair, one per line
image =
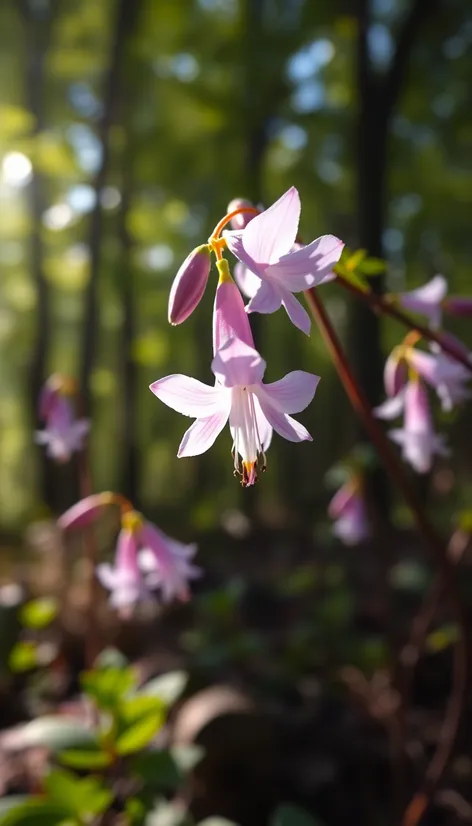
(458, 305)
(395, 373)
(241, 220)
(189, 284)
(86, 511)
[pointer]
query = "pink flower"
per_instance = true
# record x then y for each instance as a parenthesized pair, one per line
(395, 372)
(418, 439)
(448, 377)
(253, 408)
(189, 284)
(348, 509)
(430, 300)
(229, 315)
(427, 300)
(240, 221)
(63, 434)
(146, 559)
(87, 511)
(265, 248)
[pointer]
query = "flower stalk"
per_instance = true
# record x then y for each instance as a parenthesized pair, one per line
(361, 405)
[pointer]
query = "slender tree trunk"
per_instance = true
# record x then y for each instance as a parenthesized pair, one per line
(124, 12)
(377, 97)
(130, 451)
(37, 30)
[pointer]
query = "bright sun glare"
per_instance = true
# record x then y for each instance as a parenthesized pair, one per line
(16, 169)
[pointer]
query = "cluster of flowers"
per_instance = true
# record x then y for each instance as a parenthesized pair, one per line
(271, 266)
(409, 370)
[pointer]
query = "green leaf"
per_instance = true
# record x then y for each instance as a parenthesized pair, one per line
(464, 520)
(107, 686)
(289, 815)
(158, 768)
(111, 658)
(56, 733)
(35, 812)
(9, 802)
(353, 277)
(442, 638)
(90, 759)
(187, 757)
(84, 797)
(355, 259)
(139, 735)
(135, 708)
(168, 687)
(39, 613)
(23, 656)
(372, 266)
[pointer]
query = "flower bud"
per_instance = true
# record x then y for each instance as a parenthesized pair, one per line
(189, 284)
(241, 220)
(395, 373)
(86, 511)
(458, 305)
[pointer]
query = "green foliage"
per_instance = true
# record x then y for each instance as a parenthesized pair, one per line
(37, 812)
(108, 686)
(23, 656)
(39, 613)
(56, 733)
(82, 798)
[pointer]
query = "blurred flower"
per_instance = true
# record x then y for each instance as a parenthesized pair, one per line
(242, 220)
(64, 434)
(264, 247)
(430, 300)
(146, 559)
(418, 439)
(447, 376)
(86, 511)
(253, 408)
(427, 300)
(348, 509)
(189, 284)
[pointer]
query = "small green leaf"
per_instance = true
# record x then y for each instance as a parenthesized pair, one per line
(442, 638)
(355, 259)
(111, 658)
(84, 797)
(372, 266)
(35, 812)
(158, 768)
(464, 520)
(168, 687)
(187, 757)
(83, 759)
(56, 733)
(39, 613)
(11, 801)
(139, 735)
(141, 705)
(23, 657)
(289, 815)
(107, 686)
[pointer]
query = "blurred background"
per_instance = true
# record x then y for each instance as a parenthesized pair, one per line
(125, 130)
(126, 127)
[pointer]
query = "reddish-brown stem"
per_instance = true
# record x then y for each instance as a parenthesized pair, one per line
(434, 543)
(92, 641)
(387, 306)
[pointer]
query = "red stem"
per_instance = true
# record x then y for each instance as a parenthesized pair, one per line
(362, 407)
(383, 305)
